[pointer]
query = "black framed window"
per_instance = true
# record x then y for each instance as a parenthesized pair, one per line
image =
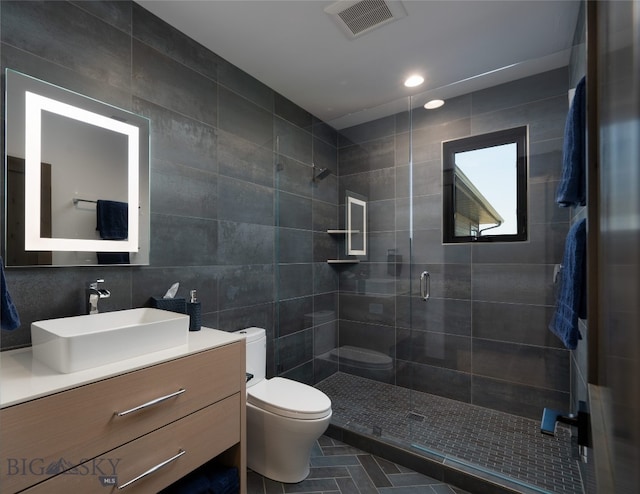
(484, 194)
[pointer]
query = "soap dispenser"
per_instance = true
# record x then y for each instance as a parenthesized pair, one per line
(195, 312)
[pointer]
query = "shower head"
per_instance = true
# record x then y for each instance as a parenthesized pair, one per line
(321, 174)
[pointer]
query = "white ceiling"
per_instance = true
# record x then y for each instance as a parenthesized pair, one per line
(298, 50)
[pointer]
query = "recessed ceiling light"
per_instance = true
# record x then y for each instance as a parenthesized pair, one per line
(414, 80)
(433, 104)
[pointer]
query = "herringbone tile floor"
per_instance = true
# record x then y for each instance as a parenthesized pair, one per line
(337, 468)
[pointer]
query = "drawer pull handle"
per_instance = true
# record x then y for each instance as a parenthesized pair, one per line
(152, 469)
(150, 403)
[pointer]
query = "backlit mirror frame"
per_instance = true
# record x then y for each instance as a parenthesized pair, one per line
(33, 96)
(356, 224)
(452, 181)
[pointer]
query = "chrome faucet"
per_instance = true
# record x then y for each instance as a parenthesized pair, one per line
(95, 293)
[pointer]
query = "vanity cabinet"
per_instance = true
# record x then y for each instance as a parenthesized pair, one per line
(168, 418)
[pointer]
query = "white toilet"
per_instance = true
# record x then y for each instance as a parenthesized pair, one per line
(284, 417)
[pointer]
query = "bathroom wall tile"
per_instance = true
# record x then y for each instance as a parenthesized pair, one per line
(295, 280)
(294, 141)
(524, 364)
(366, 156)
(325, 305)
(294, 349)
(302, 373)
(427, 212)
(244, 243)
(426, 177)
(435, 380)
(167, 40)
(325, 155)
(325, 337)
(522, 91)
(260, 315)
(429, 249)
(369, 131)
(439, 315)
(381, 215)
(542, 204)
(245, 85)
(326, 247)
(118, 14)
(294, 211)
(378, 247)
(291, 112)
(295, 245)
(171, 184)
(375, 185)
(249, 284)
(365, 335)
(515, 323)
(293, 176)
(326, 190)
(324, 131)
(513, 283)
(545, 118)
(241, 117)
(545, 160)
(325, 278)
(427, 141)
(42, 29)
(177, 139)
(244, 202)
(197, 244)
(293, 315)
(526, 401)
(162, 80)
(323, 368)
(378, 309)
(544, 246)
(243, 160)
(325, 216)
(435, 349)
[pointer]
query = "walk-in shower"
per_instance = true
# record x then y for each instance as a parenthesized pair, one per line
(459, 380)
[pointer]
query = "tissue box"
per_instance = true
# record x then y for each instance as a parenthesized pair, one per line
(170, 304)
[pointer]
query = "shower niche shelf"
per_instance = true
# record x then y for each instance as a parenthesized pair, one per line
(342, 261)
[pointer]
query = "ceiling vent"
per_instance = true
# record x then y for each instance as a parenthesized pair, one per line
(359, 17)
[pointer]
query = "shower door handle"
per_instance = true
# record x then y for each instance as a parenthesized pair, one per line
(425, 285)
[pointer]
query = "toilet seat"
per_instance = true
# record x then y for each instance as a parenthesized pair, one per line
(289, 398)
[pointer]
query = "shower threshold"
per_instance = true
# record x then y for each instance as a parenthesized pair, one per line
(478, 449)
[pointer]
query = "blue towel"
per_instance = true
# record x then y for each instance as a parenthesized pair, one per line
(113, 220)
(572, 186)
(572, 294)
(9, 318)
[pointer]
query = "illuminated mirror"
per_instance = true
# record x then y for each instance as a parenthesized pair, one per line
(485, 187)
(356, 223)
(69, 159)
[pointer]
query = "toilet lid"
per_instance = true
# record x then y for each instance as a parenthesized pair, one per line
(289, 399)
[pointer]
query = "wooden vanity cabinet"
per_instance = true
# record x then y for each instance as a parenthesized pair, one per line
(99, 436)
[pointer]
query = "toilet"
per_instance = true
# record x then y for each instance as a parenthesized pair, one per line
(284, 417)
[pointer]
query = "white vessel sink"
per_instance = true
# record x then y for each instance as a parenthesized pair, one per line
(70, 344)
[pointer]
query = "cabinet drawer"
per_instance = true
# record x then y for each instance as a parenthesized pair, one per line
(80, 423)
(202, 436)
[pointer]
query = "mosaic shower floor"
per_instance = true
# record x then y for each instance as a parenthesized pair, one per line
(492, 441)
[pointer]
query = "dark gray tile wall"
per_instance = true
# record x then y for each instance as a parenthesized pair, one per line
(229, 217)
(482, 337)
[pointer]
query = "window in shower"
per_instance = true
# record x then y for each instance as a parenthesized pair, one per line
(484, 181)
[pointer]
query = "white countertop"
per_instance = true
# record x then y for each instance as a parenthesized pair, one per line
(23, 379)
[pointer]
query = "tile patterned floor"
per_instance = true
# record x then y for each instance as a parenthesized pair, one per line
(498, 442)
(337, 468)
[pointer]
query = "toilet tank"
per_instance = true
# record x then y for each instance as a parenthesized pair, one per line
(256, 340)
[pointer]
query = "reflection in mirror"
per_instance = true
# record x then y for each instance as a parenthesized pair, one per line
(485, 187)
(73, 167)
(356, 222)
